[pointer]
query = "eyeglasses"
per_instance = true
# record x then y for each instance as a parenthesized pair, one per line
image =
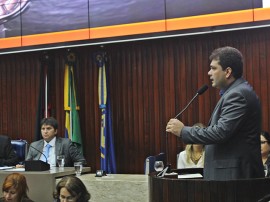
(67, 198)
(263, 142)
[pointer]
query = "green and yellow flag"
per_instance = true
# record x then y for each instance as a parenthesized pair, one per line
(71, 106)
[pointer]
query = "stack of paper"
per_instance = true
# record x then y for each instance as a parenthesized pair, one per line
(195, 175)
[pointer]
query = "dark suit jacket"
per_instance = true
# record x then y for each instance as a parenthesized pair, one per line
(63, 146)
(8, 156)
(232, 139)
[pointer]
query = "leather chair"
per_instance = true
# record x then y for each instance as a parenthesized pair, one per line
(150, 161)
(20, 147)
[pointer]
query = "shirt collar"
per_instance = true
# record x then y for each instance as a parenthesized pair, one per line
(52, 142)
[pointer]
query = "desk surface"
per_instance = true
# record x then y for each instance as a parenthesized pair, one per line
(54, 171)
(117, 187)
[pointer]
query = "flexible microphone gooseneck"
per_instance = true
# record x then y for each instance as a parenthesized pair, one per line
(36, 165)
(199, 92)
(37, 151)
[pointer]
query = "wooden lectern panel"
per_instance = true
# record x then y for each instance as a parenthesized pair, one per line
(200, 190)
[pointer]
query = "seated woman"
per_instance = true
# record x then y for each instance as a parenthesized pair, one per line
(71, 188)
(15, 189)
(265, 151)
(193, 155)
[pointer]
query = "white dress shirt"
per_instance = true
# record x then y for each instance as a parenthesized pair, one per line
(51, 158)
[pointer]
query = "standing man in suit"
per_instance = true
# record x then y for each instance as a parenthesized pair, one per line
(8, 156)
(58, 145)
(232, 137)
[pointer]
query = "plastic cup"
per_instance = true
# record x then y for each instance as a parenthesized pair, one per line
(78, 168)
(61, 161)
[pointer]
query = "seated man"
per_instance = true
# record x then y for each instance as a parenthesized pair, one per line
(8, 156)
(57, 146)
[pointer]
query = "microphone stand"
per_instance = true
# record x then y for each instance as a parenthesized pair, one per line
(186, 106)
(167, 169)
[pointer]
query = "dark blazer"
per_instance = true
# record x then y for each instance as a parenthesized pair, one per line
(232, 139)
(63, 146)
(8, 156)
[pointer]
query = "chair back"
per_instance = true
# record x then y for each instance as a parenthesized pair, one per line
(20, 147)
(150, 162)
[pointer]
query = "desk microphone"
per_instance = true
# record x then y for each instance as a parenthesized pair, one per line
(199, 92)
(36, 165)
(37, 151)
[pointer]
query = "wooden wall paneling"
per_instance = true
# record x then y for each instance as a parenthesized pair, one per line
(151, 81)
(175, 79)
(177, 60)
(3, 94)
(141, 109)
(146, 60)
(263, 77)
(92, 116)
(126, 119)
(156, 70)
(86, 95)
(13, 116)
(169, 100)
(267, 66)
(135, 108)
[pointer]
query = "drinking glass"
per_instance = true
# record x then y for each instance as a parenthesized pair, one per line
(61, 161)
(158, 166)
(265, 168)
(78, 168)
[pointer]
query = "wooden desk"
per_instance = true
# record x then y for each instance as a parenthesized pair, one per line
(42, 183)
(200, 190)
(117, 187)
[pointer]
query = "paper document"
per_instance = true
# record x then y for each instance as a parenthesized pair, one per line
(15, 170)
(195, 175)
(6, 167)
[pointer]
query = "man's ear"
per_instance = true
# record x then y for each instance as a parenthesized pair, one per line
(228, 72)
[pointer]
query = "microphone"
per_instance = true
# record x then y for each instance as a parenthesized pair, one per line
(199, 92)
(38, 151)
(36, 165)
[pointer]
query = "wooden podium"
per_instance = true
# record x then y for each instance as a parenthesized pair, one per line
(200, 190)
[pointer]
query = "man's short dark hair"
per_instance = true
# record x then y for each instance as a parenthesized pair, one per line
(49, 121)
(229, 57)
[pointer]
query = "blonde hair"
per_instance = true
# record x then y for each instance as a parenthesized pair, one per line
(189, 147)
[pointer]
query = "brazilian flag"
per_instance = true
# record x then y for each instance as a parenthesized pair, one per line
(71, 106)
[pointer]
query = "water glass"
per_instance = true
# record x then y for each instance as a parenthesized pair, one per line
(158, 166)
(61, 161)
(265, 167)
(78, 168)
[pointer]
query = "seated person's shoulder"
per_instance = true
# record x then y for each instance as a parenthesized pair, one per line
(36, 142)
(64, 140)
(4, 138)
